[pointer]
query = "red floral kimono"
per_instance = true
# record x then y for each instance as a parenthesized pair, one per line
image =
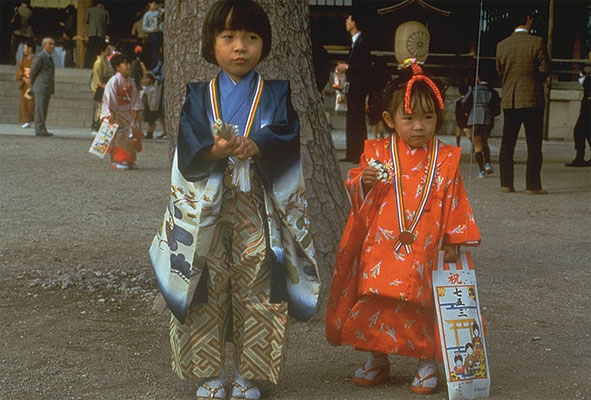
(381, 300)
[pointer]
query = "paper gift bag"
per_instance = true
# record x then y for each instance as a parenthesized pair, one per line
(460, 328)
(103, 138)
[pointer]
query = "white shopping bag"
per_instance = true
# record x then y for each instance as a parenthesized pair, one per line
(103, 138)
(460, 328)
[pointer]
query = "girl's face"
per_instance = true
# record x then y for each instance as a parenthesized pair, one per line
(237, 52)
(124, 69)
(416, 129)
(26, 50)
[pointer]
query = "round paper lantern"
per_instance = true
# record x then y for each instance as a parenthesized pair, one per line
(411, 41)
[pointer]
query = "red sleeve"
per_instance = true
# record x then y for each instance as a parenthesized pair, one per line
(459, 226)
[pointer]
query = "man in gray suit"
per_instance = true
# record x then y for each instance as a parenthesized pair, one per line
(523, 65)
(42, 79)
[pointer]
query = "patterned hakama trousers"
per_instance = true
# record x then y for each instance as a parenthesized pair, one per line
(238, 308)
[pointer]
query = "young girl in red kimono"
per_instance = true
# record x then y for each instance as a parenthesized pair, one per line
(408, 203)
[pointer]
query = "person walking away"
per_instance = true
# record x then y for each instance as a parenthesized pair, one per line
(380, 77)
(68, 25)
(153, 24)
(160, 75)
(21, 20)
(97, 18)
(151, 101)
(137, 30)
(461, 117)
(482, 104)
(408, 203)
(582, 130)
(43, 81)
(523, 64)
(121, 105)
(357, 68)
(26, 112)
(236, 301)
(102, 71)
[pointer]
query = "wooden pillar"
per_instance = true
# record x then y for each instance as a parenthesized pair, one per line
(81, 32)
(548, 83)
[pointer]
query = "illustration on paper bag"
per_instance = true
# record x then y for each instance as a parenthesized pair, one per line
(463, 346)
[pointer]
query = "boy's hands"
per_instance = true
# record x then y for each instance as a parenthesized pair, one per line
(223, 147)
(451, 252)
(236, 146)
(369, 177)
(247, 148)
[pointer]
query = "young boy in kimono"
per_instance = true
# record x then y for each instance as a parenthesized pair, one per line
(408, 203)
(227, 242)
(122, 105)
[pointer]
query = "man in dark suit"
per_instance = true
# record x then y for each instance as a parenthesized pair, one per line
(42, 79)
(523, 65)
(358, 70)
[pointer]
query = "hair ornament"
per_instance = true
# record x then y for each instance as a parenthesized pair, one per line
(418, 75)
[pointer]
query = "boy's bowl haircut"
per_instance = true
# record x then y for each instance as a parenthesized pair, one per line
(234, 15)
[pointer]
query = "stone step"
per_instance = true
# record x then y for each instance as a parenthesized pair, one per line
(59, 85)
(72, 75)
(62, 103)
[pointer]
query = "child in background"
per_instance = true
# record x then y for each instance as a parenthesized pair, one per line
(232, 244)
(26, 111)
(151, 101)
(482, 104)
(380, 77)
(121, 105)
(408, 203)
(461, 117)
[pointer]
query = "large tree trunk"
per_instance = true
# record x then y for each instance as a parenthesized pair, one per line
(290, 58)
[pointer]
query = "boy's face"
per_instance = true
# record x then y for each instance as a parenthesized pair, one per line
(416, 129)
(124, 68)
(237, 52)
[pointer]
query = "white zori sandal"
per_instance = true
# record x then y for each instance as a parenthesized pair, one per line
(243, 389)
(212, 388)
(426, 378)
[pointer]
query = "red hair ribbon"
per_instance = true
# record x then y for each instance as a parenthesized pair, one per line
(418, 75)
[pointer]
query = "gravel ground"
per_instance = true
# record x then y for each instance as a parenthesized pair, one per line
(76, 286)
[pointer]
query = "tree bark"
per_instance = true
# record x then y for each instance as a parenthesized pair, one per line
(290, 58)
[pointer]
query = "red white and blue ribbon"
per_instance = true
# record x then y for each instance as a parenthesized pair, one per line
(215, 100)
(404, 229)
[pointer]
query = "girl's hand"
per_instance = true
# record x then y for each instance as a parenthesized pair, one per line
(246, 149)
(451, 252)
(223, 148)
(369, 177)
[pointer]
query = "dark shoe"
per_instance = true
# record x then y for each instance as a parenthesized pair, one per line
(150, 135)
(577, 162)
(44, 134)
(539, 191)
(507, 189)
